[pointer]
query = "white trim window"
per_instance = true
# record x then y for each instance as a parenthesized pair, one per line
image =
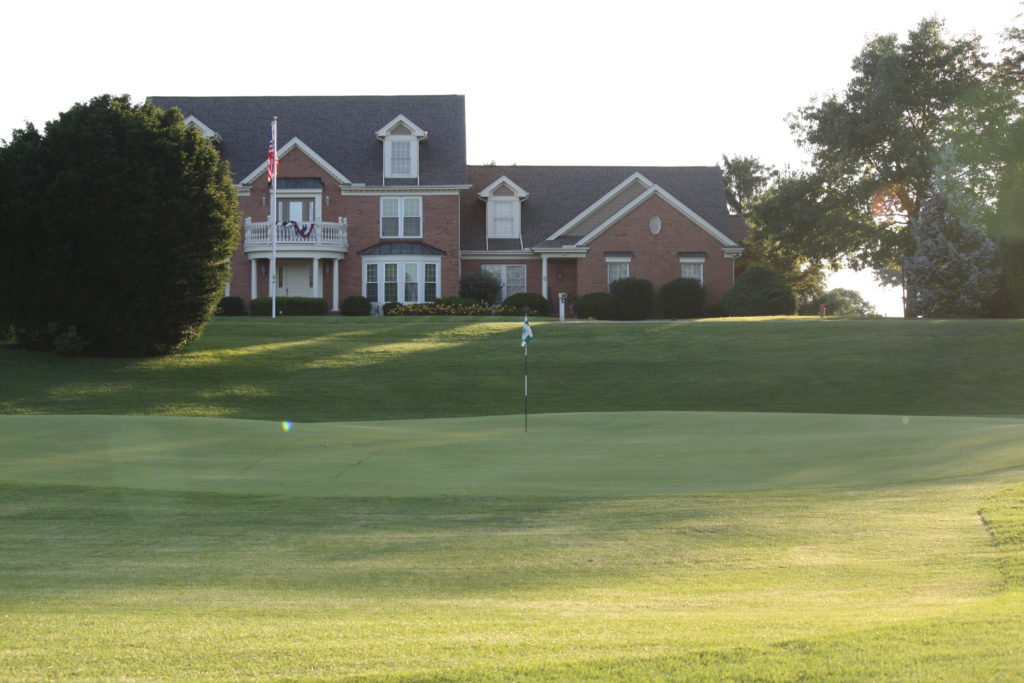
(618, 267)
(692, 267)
(406, 280)
(401, 156)
(401, 217)
(512, 276)
(504, 218)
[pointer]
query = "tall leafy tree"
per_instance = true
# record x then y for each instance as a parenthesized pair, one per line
(873, 148)
(747, 179)
(117, 223)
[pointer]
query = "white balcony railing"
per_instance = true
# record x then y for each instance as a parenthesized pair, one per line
(326, 236)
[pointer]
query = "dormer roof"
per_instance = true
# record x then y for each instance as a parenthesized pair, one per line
(339, 129)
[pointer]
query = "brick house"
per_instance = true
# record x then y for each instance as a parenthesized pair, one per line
(375, 198)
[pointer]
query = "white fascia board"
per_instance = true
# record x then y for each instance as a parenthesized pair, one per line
(380, 191)
(204, 129)
(600, 202)
(504, 180)
(693, 259)
(571, 251)
(416, 130)
(289, 146)
(498, 255)
(675, 203)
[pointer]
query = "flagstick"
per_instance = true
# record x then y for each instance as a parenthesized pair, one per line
(526, 387)
(273, 226)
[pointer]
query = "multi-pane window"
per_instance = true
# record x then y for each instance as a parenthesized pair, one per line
(513, 278)
(617, 270)
(390, 282)
(401, 158)
(694, 271)
(401, 217)
(429, 281)
(405, 280)
(504, 218)
(372, 291)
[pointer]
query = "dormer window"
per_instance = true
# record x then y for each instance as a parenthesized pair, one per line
(504, 208)
(402, 140)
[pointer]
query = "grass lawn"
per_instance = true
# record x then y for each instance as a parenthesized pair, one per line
(769, 536)
(342, 369)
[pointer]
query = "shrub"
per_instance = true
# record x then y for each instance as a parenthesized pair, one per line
(111, 178)
(230, 305)
(290, 305)
(596, 305)
(483, 287)
(714, 311)
(838, 302)
(66, 341)
(759, 291)
(355, 305)
(527, 302)
(392, 308)
(456, 301)
(682, 298)
(634, 298)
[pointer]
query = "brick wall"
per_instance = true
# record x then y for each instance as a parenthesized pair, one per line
(655, 257)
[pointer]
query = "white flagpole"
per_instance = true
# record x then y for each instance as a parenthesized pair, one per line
(273, 222)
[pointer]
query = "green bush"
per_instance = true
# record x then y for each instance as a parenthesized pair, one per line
(290, 305)
(634, 298)
(759, 291)
(714, 311)
(392, 308)
(447, 301)
(355, 305)
(596, 305)
(230, 305)
(117, 221)
(528, 302)
(682, 298)
(483, 287)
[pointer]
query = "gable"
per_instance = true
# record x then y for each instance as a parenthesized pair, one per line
(598, 215)
(648, 194)
(296, 145)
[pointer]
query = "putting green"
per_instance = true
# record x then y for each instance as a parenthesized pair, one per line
(627, 453)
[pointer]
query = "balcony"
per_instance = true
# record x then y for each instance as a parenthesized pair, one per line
(296, 240)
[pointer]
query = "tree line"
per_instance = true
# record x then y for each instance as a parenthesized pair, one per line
(916, 172)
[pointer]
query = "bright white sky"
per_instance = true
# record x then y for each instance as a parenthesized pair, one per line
(634, 83)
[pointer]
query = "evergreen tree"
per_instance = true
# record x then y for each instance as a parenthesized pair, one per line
(952, 269)
(117, 224)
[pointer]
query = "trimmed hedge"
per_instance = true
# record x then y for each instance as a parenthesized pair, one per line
(290, 305)
(634, 298)
(230, 305)
(482, 287)
(447, 301)
(355, 305)
(528, 302)
(759, 291)
(682, 298)
(596, 305)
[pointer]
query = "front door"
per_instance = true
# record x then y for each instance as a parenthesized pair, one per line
(296, 278)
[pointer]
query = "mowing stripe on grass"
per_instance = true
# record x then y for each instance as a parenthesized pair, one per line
(599, 454)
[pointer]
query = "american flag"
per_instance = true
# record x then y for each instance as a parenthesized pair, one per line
(272, 160)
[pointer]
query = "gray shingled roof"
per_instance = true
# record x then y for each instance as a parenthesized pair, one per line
(339, 129)
(559, 193)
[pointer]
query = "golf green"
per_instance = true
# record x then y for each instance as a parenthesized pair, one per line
(599, 454)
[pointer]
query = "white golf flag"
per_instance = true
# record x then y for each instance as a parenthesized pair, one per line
(527, 332)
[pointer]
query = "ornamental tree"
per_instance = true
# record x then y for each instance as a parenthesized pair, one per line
(117, 223)
(953, 268)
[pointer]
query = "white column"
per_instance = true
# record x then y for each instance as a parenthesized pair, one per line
(252, 278)
(317, 277)
(334, 285)
(544, 275)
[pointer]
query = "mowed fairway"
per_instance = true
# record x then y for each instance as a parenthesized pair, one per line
(608, 544)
